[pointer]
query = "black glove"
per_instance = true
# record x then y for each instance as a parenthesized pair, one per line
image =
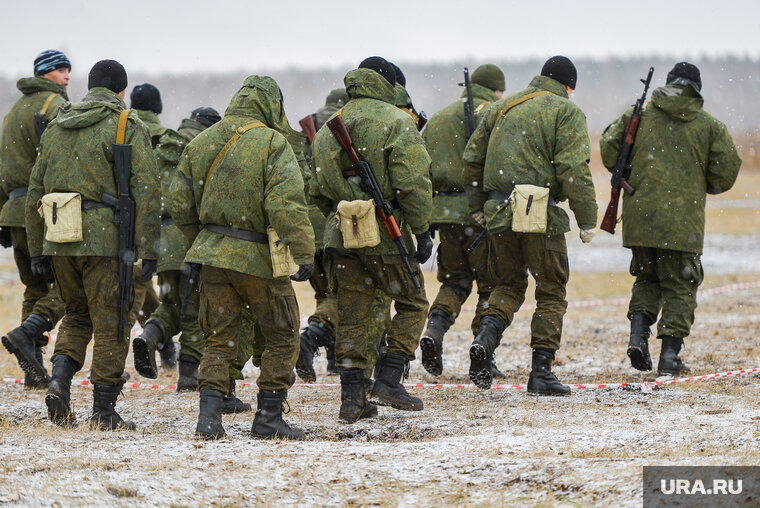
(424, 247)
(304, 273)
(42, 266)
(148, 269)
(5, 238)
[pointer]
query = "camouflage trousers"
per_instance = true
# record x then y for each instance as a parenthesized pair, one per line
(171, 287)
(511, 256)
(667, 281)
(251, 344)
(146, 299)
(89, 288)
(40, 296)
(457, 270)
(357, 279)
(223, 295)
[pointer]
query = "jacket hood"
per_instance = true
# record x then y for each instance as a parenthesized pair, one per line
(684, 107)
(148, 117)
(403, 99)
(189, 123)
(366, 83)
(98, 104)
(479, 91)
(32, 85)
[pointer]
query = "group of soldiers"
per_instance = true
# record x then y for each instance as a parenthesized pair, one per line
(229, 210)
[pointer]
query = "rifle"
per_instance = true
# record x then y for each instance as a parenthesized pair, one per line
(469, 108)
(383, 207)
(622, 169)
(309, 127)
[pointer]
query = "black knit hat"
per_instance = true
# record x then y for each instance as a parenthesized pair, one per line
(561, 69)
(50, 60)
(400, 78)
(684, 73)
(108, 74)
(381, 66)
(146, 97)
(205, 116)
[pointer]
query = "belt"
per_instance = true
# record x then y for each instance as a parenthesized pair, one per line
(450, 193)
(167, 221)
(500, 195)
(93, 205)
(394, 203)
(240, 234)
(18, 192)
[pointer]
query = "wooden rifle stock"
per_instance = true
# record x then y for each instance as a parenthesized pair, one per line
(610, 216)
(309, 127)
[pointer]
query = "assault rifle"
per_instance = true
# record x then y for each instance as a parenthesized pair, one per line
(309, 126)
(622, 169)
(383, 207)
(469, 108)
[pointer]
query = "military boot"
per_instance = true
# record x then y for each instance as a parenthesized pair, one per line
(638, 344)
(231, 404)
(268, 422)
(495, 372)
(388, 388)
(431, 343)
(168, 352)
(669, 362)
(332, 368)
(21, 342)
(31, 382)
(542, 381)
(312, 337)
(209, 425)
(188, 374)
(58, 397)
(104, 415)
(353, 397)
(382, 348)
(144, 348)
(481, 351)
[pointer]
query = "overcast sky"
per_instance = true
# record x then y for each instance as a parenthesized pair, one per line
(200, 35)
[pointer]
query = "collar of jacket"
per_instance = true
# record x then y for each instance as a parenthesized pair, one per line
(368, 84)
(102, 94)
(37, 84)
(548, 84)
(481, 93)
(403, 100)
(148, 117)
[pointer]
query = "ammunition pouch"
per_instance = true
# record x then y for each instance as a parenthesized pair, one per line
(357, 223)
(62, 212)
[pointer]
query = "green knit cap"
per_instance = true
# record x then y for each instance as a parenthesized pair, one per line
(489, 76)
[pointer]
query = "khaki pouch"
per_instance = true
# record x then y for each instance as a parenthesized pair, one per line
(357, 223)
(530, 205)
(283, 264)
(62, 212)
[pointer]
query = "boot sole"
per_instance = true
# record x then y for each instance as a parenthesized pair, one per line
(58, 413)
(143, 365)
(431, 362)
(639, 360)
(302, 437)
(480, 368)
(234, 411)
(29, 365)
(547, 393)
(305, 373)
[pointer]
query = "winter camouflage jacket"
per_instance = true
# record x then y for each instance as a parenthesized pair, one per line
(18, 143)
(445, 142)
(389, 141)
(681, 154)
(256, 184)
(76, 156)
(173, 245)
(544, 142)
(153, 123)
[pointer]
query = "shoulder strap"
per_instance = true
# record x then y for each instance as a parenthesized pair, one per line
(481, 106)
(520, 101)
(239, 132)
(121, 129)
(48, 102)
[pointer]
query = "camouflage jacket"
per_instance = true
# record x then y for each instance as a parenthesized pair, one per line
(681, 154)
(153, 123)
(18, 143)
(445, 140)
(389, 141)
(256, 184)
(404, 101)
(76, 156)
(173, 245)
(544, 142)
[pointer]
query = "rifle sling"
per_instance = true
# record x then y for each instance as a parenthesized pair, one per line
(121, 128)
(239, 132)
(520, 101)
(47, 103)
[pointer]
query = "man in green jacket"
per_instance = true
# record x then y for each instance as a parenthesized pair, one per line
(239, 183)
(41, 308)
(681, 154)
(403, 100)
(76, 156)
(445, 139)
(390, 143)
(535, 137)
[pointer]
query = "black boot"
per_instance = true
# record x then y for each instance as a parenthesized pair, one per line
(104, 415)
(231, 404)
(58, 397)
(481, 351)
(144, 348)
(388, 388)
(382, 348)
(495, 372)
(669, 362)
(168, 352)
(312, 337)
(638, 344)
(370, 408)
(21, 341)
(31, 382)
(431, 343)
(542, 381)
(268, 422)
(209, 425)
(332, 368)
(353, 395)
(188, 374)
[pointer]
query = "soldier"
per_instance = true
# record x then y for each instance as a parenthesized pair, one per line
(76, 156)
(240, 195)
(41, 308)
(445, 139)
(396, 153)
(681, 154)
(175, 279)
(535, 143)
(404, 102)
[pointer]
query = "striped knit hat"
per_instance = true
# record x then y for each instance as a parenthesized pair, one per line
(50, 60)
